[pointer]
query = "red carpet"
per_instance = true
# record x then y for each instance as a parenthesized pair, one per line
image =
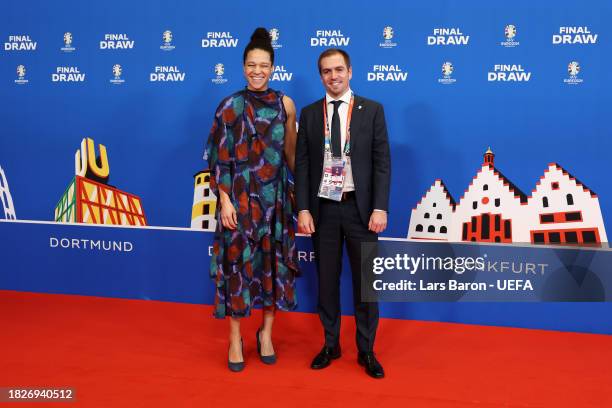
(127, 353)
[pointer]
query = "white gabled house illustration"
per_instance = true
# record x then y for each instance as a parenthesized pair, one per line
(564, 211)
(431, 219)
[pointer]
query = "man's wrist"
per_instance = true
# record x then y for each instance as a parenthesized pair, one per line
(377, 210)
(301, 211)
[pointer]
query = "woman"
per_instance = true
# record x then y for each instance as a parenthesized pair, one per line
(250, 147)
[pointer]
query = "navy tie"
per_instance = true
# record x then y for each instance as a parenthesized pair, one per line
(336, 144)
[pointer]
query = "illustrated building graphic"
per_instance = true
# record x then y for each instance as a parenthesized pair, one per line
(204, 203)
(561, 210)
(90, 200)
(8, 209)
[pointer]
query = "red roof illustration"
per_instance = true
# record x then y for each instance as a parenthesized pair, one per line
(518, 193)
(445, 189)
(513, 188)
(567, 173)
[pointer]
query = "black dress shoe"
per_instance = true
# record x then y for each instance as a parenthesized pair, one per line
(372, 366)
(264, 359)
(239, 366)
(325, 356)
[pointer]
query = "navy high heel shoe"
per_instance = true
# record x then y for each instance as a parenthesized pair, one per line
(264, 359)
(237, 367)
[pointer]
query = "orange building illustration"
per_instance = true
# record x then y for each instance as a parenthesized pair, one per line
(90, 200)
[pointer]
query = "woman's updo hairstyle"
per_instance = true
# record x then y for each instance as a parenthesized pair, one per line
(260, 40)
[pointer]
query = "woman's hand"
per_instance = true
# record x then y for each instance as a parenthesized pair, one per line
(228, 212)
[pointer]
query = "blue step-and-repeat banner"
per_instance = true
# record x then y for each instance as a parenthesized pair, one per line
(497, 117)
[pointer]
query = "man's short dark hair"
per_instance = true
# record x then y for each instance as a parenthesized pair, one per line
(331, 51)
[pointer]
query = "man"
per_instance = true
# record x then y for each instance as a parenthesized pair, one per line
(342, 182)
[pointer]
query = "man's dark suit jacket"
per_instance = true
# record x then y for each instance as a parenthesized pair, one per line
(370, 157)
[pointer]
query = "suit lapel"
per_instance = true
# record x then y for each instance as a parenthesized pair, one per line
(318, 125)
(356, 117)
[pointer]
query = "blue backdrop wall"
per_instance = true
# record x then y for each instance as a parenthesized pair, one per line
(445, 104)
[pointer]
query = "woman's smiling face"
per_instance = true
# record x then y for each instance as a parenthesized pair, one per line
(257, 69)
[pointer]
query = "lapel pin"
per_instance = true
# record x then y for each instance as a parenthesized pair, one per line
(359, 107)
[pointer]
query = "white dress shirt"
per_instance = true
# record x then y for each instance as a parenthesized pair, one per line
(348, 185)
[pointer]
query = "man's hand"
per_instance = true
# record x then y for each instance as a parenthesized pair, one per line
(378, 221)
(305, 222)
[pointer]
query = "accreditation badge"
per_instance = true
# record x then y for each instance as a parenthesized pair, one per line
(333, 178)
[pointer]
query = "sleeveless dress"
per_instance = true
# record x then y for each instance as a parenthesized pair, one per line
(256, 264)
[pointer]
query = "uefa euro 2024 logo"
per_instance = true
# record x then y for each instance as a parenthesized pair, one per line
(388, 34)
(219, 69)
(167, 39)
(274, 34)
(510, 34)
(573, 68)
(67, 42)
(117, 71)
(21, 72)
(447, 70)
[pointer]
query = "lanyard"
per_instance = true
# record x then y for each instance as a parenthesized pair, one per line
(347, 145)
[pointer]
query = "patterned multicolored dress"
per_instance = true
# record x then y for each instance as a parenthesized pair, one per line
(256, 264)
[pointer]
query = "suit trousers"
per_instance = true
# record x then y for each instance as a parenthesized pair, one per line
(340, 223)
